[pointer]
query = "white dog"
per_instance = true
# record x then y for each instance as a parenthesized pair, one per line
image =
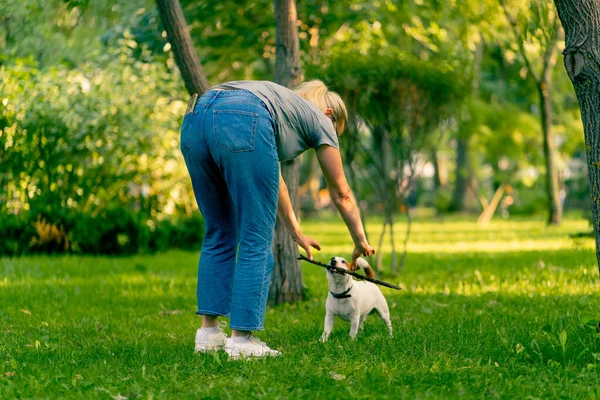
(353, 300)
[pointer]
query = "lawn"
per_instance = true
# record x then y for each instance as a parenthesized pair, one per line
(505, 311)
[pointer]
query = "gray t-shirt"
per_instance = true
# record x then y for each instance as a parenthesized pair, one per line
(300, 124)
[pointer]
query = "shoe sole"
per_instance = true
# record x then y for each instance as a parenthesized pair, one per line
(241, 356)
(208, 349)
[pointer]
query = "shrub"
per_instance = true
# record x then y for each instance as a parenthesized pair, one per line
(16, 235)
(100, 135)
(442, 200)
(187, 233)
(114, 231)
(49, 238)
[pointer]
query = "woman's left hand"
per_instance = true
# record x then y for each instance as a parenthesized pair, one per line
(306, 242)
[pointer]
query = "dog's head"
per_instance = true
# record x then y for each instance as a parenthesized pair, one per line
(336, 278)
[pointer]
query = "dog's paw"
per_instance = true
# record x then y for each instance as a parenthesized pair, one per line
(324, 338)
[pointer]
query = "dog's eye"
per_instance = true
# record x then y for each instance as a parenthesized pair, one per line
(343, 261)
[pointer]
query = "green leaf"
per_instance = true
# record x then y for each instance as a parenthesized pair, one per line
(520, 348)
(563, 339)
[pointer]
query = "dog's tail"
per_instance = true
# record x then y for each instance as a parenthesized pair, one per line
(362, 263)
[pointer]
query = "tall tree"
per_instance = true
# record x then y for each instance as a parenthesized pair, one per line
(179, 37)
(581, 22)
(286, 279)
(543, 82)
(465, 170)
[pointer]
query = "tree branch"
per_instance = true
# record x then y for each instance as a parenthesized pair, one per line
(549, 59)
(513, 23)
(179, 37)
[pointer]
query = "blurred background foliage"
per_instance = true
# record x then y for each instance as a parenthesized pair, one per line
(91, 103)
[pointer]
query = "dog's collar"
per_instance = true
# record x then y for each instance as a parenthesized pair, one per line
(343, 295)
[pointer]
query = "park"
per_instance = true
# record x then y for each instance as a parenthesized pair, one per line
(470, 145)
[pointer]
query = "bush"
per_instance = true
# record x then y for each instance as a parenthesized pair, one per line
(112, 232)
(49, 238)
(443, 200)
(104, 134)
(187, 233)
(529, 200)
(17, 233)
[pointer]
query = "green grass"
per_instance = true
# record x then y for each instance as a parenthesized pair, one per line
(505, 311)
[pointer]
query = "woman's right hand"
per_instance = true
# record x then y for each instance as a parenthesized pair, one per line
(306, 242)
(363, 249)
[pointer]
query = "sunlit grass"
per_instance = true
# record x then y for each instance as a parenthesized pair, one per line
(448, 235)
(502, 311)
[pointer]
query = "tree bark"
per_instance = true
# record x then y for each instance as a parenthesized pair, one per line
(552, 189)
(379, 261)
(394, 260)
(406, 239)
(388, 184)
(464, 164)
(462, 174)
(349, 155)
(286, 279)
(179, 37)
(544, 82)
(287, 61)
(581, 22)
(438, 183)
(545, 91)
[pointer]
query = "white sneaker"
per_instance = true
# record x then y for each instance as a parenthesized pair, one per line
(252, 347)
(206, 341)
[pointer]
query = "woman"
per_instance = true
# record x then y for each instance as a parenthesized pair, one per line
(232, 140)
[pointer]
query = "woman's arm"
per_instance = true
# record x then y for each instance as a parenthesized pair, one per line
(285, 211)
(286, 214)
(341, 195)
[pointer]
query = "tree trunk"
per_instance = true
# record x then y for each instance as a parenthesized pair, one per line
(489, 211)
(179, 37)
(406, 238)
(307, 196)
(383, 144)
(355, 186)
(394, 260)
(437, 175)
(552, 190)
(287, 61)
(286, 279)
(545, 91)
(464, 163)
(462, 175)
(543, 83)
(379, 262)
(349, 157)
(581, 22)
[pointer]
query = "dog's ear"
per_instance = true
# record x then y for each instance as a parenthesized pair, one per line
(362, 263)
(369, 272)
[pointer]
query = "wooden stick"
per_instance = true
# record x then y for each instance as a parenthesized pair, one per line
(343, 271)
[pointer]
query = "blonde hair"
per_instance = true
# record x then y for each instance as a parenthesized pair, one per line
(317, 93)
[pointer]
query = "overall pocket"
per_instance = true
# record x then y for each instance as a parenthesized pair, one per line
(186, 128)
(235, 131)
